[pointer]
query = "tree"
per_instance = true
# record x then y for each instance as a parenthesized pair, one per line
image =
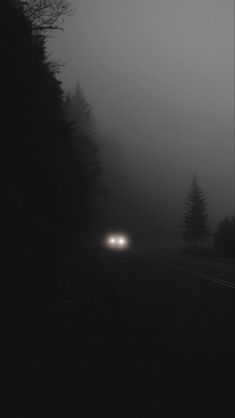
(46, 15)
(42, 217)
(224, 237)
(80, 113)
(41, 195)
(84, 139)
(195, 228)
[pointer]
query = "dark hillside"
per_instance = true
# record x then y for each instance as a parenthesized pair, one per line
(61, 324)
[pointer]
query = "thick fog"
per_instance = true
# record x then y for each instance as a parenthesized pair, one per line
(159, 76)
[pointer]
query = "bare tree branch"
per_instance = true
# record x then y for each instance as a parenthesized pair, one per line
(47, 15)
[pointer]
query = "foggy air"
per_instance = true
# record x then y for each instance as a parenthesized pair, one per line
(159, 76)
(117, 224)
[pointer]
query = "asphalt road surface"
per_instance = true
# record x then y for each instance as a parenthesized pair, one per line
(181, 325)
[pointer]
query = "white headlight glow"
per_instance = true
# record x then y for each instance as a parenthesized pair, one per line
(121, 241)
(116, 242)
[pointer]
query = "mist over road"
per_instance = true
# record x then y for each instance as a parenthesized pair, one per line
(182, 330)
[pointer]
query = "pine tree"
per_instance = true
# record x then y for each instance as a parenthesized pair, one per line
(195, 227)
(84, 139)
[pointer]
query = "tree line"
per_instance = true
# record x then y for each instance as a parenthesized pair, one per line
(196, 229)
(50, 170)
(49, 162)
(49, 175)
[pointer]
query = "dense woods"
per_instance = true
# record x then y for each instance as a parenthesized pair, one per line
(48, 178)
(45, 184)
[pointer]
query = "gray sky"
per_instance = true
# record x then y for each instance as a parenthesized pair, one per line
(159, 75)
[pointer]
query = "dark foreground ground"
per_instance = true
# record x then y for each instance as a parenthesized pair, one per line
(183, 331)
(116, 335)
(67, 351)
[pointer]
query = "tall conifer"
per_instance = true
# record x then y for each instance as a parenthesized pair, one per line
(195, 227)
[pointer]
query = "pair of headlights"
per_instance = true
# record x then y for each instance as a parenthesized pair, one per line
(117, 242)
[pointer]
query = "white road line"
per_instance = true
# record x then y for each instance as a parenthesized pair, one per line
(186, 270)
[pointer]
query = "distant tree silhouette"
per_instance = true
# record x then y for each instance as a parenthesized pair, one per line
(224, 237)
(195, 227)
(80, 113)
(84, 139)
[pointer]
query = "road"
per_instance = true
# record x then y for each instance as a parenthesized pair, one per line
(182, 332)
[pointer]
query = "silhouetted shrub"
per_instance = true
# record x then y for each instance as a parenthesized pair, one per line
(224, 238)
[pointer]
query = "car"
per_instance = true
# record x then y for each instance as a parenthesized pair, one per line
(117, 241)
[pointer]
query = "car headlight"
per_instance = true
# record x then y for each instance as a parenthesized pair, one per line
(117, 241)
(121, 241)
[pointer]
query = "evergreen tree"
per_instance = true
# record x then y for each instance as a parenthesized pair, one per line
(224, 237)
(195, 227)
(84, 140)
(43, 217)
(80, 113)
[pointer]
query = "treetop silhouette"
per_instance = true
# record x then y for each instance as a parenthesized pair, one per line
(195, 227)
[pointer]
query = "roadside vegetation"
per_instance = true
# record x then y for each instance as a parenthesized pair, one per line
(49, 166)
(59, 313)
(200, 239)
